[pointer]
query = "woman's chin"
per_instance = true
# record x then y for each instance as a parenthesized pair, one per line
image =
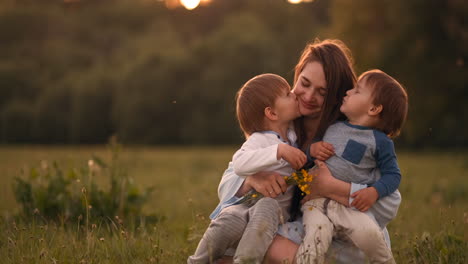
(310, 114)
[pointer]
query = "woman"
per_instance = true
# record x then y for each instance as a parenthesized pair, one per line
(322, 76)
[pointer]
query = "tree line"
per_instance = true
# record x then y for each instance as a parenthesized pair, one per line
(80, 71)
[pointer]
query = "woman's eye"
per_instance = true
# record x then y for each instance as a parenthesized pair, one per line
(305, 84)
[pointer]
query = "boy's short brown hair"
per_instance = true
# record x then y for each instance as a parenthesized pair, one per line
(255, 95)
(393, 98)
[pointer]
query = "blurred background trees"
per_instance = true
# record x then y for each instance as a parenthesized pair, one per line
(75, 72)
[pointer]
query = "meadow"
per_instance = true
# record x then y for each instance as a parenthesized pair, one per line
(431, 226)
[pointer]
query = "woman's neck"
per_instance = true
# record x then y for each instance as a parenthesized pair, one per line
(311, 125)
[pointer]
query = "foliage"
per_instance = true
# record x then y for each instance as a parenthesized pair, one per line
(442, 247)
(81, 71)
(421, 43)
(52, 193)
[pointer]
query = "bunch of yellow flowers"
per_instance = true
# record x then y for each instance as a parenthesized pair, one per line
(301, 178)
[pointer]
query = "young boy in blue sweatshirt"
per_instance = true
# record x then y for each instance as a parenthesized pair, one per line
(358, 150)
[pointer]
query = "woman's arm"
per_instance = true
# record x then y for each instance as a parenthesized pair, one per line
(325, 185)
(268, 183)
(232, 187)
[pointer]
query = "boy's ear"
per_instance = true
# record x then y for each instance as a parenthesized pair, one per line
(270, 113)
(375, 110)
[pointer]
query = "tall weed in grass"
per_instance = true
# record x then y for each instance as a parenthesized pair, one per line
(74, 195)
(443, 247)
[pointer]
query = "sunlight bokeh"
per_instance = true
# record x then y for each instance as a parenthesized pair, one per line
(190, 4)
(299, 1)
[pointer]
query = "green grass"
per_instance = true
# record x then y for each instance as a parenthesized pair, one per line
(431, 226)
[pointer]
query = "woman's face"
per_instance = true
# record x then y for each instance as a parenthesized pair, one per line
(311, 89)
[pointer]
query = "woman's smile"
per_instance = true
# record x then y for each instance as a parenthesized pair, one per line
(309, 106)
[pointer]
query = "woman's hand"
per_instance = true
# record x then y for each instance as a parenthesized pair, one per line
(322, 180)
(268, 183)
(325, 185)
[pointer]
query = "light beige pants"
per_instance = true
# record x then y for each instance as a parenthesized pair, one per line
(325, 219)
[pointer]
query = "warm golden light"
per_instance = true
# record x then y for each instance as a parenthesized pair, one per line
(190, 4)
(294, 1)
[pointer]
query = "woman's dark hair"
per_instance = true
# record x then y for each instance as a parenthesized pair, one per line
(337, 64)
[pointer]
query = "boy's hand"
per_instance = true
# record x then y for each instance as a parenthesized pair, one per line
(364, 199)
(322, 150)
(294, 156)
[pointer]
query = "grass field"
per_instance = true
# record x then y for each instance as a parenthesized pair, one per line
(431, 226)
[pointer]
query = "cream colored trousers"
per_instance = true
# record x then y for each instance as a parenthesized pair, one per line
(325, 219)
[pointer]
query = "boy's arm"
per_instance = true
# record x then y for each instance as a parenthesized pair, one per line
(364, 199)
(385, 209)
(390, 175)
(255, 156)
(294, 156)
(320, 150)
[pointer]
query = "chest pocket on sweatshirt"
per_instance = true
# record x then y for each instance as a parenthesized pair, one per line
(354, 151)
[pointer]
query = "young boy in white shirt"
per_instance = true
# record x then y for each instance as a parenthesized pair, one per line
(376, 109)
(265, 107)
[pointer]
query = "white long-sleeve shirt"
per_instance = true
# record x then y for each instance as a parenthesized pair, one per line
(259, 153)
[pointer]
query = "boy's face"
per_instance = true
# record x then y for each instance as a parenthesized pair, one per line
(286, 106)
(358, 101)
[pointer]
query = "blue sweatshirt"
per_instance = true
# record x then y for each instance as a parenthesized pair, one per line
(363, 155)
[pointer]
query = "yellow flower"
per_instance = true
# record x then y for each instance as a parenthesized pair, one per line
(254, 195)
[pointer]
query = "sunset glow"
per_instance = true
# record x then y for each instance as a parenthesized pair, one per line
(190, 4)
